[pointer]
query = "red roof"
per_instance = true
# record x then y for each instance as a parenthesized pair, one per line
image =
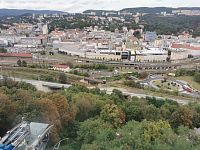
(185, 46)
(23, 55)
(60, 66)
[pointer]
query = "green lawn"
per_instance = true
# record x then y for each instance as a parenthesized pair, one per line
(35, 73)
(166, 85)
(190, 81)
(119, 84)
(62, 57)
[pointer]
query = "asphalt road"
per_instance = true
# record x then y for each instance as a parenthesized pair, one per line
(152, 78)
(125, 92)
(43, 86)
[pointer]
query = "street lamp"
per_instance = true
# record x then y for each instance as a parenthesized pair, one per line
(57, 146)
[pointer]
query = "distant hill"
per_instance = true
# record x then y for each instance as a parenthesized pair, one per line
(18, 12)
(147, 9)
(98, 12)
(151, 10)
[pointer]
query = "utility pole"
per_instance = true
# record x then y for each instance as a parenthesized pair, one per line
(57, 146)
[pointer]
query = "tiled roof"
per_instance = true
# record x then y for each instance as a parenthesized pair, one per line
(24, 55)
(185, 46)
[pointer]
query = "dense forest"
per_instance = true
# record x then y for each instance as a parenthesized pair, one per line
(168, 25)
(150, 10)
(172, 24)
(94, 120)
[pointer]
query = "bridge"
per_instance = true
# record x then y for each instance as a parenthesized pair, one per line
(41, 85)
(145, 66)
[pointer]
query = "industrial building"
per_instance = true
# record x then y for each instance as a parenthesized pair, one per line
(26, 136)
(151, 54)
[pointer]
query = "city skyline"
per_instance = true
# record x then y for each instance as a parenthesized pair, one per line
(81, 5)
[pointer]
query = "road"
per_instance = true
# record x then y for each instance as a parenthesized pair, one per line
(152, 78)
(125, 92)
(44, 86)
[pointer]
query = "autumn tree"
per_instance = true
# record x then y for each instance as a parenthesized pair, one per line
(113, 114)
(66, 112)
(88, 105)
(183, 116)
(50, 115)
(7, 113)
(143, 75)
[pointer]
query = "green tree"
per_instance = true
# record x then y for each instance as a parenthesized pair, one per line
(137, 34)
(117, 96)
(24, 63)
(134, 110)
(3, 50)
(88, 105)
(197, 77)
(62, 78)
(90, 129)
(151, 113)
(19, 63)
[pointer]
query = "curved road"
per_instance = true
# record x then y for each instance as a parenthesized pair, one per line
(125, 92)
(150, 80)
(43, 86)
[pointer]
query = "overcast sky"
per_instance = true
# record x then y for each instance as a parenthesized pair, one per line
(81, 5)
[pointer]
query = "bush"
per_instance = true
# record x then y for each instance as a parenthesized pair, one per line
(197, 77)
(85, 74)
(3, 50)
(133, 84)
(24, 63)
(143, 75)
(184, 72)
(19, 63)
(42, 53)
(48, 78)
(62, 78)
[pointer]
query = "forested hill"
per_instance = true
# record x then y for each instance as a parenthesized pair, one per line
(172, 24)
(18, 12)
(151, 10)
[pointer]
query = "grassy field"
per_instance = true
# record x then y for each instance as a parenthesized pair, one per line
(61, 56)
(35, 73)
(190, 80)
(119, 84)
(166, 85)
